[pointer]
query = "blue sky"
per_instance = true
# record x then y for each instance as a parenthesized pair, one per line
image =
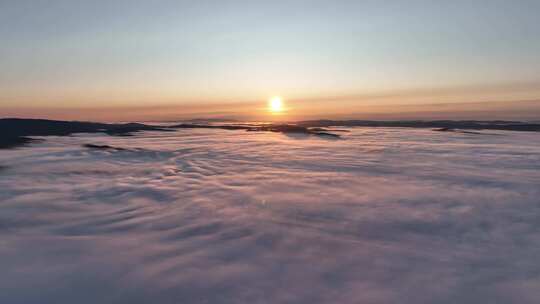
(140, 53)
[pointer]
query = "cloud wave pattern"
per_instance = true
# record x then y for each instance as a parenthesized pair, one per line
(217, 216)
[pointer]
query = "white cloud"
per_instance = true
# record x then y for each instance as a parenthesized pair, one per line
(215, 216)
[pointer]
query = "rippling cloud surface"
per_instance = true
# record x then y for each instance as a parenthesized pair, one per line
(216, 216)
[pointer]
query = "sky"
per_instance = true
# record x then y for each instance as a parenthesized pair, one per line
(164, 59)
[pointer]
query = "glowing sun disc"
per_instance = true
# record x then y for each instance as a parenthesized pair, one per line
(275, 104)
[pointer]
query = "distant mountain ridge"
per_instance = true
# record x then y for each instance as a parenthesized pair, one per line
(18, 131)
(448, 124)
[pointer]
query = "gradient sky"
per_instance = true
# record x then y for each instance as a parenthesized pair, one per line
(127, 58)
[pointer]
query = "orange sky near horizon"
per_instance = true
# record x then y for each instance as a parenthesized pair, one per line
(120, 60)
(473, 103)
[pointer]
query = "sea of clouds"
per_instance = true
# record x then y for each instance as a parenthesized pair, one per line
(216, 216)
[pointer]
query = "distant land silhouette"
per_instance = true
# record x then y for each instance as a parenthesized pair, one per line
(448, 124)
(18, 131)
(103, 147)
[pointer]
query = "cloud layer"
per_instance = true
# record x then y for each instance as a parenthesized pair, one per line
(216, 216)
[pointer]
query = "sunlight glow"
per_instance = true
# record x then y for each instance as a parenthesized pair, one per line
(275, 105)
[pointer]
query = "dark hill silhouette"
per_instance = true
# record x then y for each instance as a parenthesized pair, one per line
(280, 128)
(439, 124)
(43, 127)
(8, 141)
(103, 147)
(15, 131)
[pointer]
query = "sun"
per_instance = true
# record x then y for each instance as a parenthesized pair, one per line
(275, 104)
